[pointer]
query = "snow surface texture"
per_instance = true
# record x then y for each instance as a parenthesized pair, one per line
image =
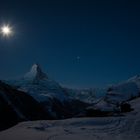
(126, 127)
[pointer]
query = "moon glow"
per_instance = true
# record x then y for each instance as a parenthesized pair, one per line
(6, 30)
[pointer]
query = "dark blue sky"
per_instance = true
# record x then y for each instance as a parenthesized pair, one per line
(103, 35)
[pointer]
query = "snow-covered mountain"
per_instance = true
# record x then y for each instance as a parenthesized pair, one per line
(124, 91)
(114, 94)
(35, 88)
(35, 74)
(117, 95)
(49, 93)
(38, 85)
(86, 95)
(63, 102)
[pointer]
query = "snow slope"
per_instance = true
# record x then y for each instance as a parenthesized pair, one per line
(124, 91)
(125, 127)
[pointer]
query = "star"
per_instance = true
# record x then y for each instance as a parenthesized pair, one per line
(6, 30)
(78, 58)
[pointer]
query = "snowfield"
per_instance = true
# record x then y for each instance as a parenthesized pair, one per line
(125, 127)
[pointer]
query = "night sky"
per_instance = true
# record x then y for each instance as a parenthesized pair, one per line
(89, 43)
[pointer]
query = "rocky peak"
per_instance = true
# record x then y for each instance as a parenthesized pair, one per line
(35, 73)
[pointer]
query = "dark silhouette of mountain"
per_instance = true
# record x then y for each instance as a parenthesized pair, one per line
(17, 106)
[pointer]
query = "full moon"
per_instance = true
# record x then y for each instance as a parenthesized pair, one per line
(6, 30)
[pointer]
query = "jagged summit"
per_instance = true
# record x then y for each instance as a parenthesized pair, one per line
(35, 73)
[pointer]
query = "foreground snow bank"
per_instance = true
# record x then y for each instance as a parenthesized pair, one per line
(107, 128)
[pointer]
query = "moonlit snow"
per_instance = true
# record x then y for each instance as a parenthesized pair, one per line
(125, 127)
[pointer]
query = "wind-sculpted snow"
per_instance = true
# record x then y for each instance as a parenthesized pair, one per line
(126, 127)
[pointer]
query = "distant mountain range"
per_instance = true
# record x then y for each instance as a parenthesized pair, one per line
(41, 87)
(35, 96)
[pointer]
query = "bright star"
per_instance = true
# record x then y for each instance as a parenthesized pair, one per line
(6, 30)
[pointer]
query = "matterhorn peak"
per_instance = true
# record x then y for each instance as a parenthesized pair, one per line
(35, 73)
